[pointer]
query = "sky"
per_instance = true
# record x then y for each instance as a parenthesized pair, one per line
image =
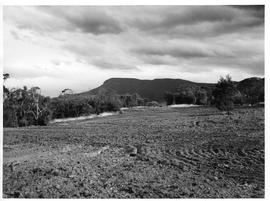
(79, 47)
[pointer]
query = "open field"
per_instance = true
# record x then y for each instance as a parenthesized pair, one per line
(144, 153)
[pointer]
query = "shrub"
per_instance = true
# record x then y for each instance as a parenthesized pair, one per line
(153, 104)
(224, 93)
(169, 98)
(201, 97)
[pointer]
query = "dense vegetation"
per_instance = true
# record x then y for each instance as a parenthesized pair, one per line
(187, 95)
(246, 92)
(251, 90)
(23, 107)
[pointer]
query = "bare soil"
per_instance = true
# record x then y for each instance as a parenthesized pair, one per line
(142, 153)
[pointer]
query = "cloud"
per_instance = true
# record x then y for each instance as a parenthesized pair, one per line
(33, 19)
(29, 72)
(56, 62)
(218, 54)
(198, 21)
(174, 51)
(182, 49)
(63, 18)
(111, 64)
(183, 15)
(103, 55)
(59, 42)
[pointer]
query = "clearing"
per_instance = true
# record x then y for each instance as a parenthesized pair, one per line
(149, 153)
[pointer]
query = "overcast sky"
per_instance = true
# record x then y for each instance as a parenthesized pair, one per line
(79, 47)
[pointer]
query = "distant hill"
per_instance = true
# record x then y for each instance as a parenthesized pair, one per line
(252, 89)
(155, 89)
(151, 89)
(249, 83)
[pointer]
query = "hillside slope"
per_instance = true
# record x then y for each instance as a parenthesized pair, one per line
(155, 89)
(151, 89)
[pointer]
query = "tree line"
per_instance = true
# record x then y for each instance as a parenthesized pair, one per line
(25, 107)
(186, 94)
(226, 92)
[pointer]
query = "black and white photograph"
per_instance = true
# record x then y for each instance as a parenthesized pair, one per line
(133, 101)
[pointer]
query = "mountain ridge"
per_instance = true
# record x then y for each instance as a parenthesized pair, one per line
(155, 89)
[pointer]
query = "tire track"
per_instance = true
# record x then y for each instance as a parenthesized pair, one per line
(241, 164)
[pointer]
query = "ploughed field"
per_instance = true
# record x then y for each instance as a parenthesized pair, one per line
(144, 153)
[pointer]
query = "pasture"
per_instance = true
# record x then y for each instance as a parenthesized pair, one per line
(142, 153)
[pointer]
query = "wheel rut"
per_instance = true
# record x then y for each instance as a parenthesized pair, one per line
(226, 161)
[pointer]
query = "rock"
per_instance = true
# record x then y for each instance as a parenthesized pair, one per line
(12, 165)
(71, 176)
(55, 172)
(148, 141)
(185, 168)
(134, 152)
(177, 163)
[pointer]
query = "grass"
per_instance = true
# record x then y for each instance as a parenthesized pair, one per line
(142, 153)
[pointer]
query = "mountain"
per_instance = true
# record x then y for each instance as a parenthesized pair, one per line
(151, 89)
(251, 88)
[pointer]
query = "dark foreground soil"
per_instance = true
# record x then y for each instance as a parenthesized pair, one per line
(149, 153)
